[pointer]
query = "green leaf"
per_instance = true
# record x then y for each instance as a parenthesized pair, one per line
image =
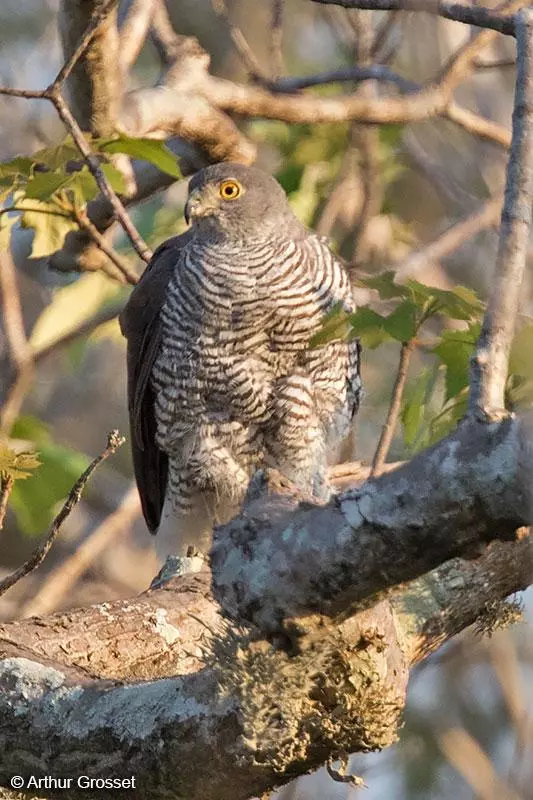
(14, 173)
(384, 284)
(447, 419)
(369, 326)
(459, 303)
(115, 178)
(417, 396)
(44, 184)
(21, 166)
(17, 465)
(455, 351)
(59, 155)
(83, 186)
(34, 501)
(50, 224)
(152, 150)
(401, 324)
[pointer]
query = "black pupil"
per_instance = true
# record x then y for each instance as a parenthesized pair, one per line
(229, 190)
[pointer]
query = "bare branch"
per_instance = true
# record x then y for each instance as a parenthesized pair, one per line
(239, 41)
(459, 12)
(39, 554)
(374, 72)
(6, 487)
(241, 698)
(125, 273)
(407, 522)
(20, 354)
(63, 577)
(490, 364)
(477, 125)
(456, 235)
(94, 167)
(134, 31)
(98, 16)
(91, 78)
(387, 432)
(277, 66)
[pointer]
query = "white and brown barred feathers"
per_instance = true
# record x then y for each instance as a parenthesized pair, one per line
(221, 378)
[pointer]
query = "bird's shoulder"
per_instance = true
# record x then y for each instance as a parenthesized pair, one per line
(148, 296)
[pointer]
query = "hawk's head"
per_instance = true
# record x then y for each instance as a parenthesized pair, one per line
(238, 201)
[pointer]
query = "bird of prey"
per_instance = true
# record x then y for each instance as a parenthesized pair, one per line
(222, 378)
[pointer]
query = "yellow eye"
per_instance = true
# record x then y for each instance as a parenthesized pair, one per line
(230, 190)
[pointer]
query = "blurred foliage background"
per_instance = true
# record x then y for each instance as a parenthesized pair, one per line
(380, 195)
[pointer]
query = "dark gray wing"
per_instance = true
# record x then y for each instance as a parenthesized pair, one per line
(140, 324)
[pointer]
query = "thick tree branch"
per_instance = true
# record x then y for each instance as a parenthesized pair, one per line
(134, 31)
(470, 488)
(92, 76)
(490, 364)
(264, 715)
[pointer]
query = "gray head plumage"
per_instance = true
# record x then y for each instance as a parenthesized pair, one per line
(232, 200)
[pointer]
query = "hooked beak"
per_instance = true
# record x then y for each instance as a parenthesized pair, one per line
(197, 205)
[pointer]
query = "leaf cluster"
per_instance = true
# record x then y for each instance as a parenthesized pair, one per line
(442, 324)
(48, 190)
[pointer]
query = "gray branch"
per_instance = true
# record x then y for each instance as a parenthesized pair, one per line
(490, 364)
(472, 487)
(192, 683)
(459, 12)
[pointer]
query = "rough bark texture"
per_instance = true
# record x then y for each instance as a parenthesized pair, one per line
(147, 687)
(264, 715)
(93, 86)
(278, 563)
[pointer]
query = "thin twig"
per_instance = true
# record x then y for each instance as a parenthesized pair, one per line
(19, 350)
(6, 485)
(381, 38)
(276, 38)
(63, 578)
(92, 28)
(54, 95)
(239, 40)
(94, 167)
(387, 432)
(466, 755)
(477, 125)
(358, 74)
(459, 12)
(134, 30)
(499, 63)
(490, 363)
(366, 141)
(114, 441)
(456, 235)
(125, 272)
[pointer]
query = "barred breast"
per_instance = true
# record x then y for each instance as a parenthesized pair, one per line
(235, 381)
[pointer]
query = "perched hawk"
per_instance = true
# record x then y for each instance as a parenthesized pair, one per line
(221, 377)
